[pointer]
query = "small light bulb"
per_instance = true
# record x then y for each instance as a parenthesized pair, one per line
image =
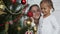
(28, 22)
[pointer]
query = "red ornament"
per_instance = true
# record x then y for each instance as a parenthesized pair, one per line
(1, 24)
(23, 1)
(13, 1)
(28, 32)
(29, 14)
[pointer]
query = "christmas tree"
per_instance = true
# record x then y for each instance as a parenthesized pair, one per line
(11, 12)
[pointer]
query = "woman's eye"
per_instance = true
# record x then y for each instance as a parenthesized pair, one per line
(33, 11)
(41, 8)
(38, 10)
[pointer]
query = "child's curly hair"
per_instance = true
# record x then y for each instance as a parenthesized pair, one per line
(49, 2)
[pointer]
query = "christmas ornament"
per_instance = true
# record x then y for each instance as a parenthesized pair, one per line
(23, 1)
(2, 7)
(13, 1)
(28, 23)
(35, 28)
(30, 14)
(1, 24)
(29, 32)
(19, 28)
(15, 8)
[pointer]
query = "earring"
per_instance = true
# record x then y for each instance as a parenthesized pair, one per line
(51, 10)
(42, 14)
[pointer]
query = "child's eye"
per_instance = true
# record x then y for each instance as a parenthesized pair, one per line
(44, 8)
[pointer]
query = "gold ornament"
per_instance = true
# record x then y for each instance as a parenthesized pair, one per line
(19, 28)
(29, 21)
(35, 28)
(2, 7)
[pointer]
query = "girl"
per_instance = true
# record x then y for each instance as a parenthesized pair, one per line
(36, 14)
(48, 24)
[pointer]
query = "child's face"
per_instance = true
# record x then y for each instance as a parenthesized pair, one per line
(45, 8)
(36, 12)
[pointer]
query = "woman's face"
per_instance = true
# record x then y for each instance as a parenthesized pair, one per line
(45, 8)
(36, 12)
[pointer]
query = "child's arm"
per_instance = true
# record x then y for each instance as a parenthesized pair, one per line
(56, 25)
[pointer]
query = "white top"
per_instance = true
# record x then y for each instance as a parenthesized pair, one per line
(48, 25)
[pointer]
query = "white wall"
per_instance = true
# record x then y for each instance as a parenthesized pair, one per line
(57, 10)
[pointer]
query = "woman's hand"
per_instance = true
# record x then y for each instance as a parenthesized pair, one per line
(31, 22)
